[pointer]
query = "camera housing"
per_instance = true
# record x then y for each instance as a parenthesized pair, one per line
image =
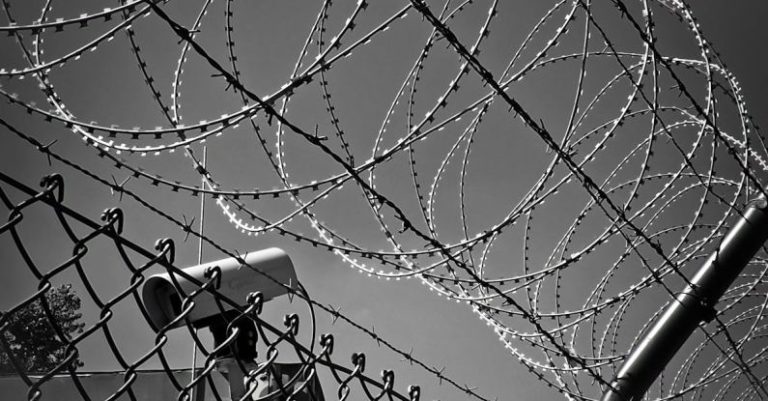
(162, 298)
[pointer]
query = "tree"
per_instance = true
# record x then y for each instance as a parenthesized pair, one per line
(31, 337)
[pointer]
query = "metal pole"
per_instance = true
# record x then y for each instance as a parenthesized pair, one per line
(199, 260)
(694, 305)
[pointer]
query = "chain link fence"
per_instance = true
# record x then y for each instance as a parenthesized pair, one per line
(242, 329)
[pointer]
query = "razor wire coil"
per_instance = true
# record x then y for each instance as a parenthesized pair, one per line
(658, 153)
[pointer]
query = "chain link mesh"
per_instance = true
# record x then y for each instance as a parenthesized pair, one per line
(48, 202)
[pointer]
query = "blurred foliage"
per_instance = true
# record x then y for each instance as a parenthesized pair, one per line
(30, 336)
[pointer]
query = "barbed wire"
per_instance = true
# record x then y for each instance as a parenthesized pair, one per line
(645, 165)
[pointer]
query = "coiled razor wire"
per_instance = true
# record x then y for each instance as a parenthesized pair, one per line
(568, 175)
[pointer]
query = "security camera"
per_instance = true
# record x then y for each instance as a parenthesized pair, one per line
(163, 298)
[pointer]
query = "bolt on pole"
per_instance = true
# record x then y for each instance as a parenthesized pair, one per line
(694, 305)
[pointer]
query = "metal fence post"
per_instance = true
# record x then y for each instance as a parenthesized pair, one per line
(694, 305)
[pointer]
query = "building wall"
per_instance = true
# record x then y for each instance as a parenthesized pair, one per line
(148, 385)
(151, 385)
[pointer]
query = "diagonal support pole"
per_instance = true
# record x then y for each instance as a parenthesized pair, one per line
(693, 306)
